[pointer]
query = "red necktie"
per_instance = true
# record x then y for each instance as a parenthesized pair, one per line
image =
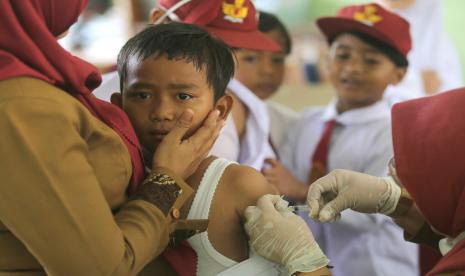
(320, 156)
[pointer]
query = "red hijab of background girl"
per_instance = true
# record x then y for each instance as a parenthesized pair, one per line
(28, 47)
(429, 149)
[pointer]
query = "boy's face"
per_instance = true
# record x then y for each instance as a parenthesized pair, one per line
(156, 93)
(359, 72)
(261, 72)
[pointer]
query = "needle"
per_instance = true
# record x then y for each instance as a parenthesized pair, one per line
(300, 208)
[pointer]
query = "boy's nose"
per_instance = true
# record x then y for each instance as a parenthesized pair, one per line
(354, 65)
(266, 65)
(162, 111)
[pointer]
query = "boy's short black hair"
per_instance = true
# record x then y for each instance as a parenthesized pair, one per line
(181, 41)
(269, 22)
(395, 56)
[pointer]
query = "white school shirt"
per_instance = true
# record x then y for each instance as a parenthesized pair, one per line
(432, 49)
(254, 147)
(358, 244)
(109, 85)
(282, 119)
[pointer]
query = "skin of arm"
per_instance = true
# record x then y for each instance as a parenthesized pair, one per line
(324, 271)
(240, 187)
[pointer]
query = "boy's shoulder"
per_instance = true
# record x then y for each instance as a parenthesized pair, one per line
(308, 116)
(244, 177)
(246, 183)
(312, 113)
(236, 176)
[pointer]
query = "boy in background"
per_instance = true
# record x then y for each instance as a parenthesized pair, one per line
(263, 72)
(368, 52)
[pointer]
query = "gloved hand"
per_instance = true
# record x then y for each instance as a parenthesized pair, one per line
(281, 236)
(342, 189)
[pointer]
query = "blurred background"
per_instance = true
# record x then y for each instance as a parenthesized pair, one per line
(107, 24)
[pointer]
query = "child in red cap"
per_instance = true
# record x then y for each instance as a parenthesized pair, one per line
(368, 52)
(263, 73)
(247, 132)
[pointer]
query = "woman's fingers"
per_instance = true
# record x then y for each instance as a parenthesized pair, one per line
(204, 138)
(181, 127)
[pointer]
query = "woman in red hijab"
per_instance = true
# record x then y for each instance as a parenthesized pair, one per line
(425, 193)
(70, 199)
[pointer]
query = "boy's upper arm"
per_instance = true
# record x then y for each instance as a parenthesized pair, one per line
(247, 186)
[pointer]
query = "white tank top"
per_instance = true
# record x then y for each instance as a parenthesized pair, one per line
(209, 261)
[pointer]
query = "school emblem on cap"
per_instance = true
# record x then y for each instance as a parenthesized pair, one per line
(368, 16)
(235, 12)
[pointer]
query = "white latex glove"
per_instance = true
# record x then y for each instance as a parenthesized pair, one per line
(281, 236)
(342, 189)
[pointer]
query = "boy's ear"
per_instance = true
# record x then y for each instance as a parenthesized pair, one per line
(224, 105)
(116, 99)
(155, 14)
(398, 75)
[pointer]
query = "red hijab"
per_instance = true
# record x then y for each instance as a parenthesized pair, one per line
(429, 149)
(28, 47)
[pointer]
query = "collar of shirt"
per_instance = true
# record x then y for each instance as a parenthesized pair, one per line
(374, 112)
(256, 107)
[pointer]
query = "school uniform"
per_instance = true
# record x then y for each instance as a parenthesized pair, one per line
(281, 120)
(432, 49)
(358, 244)
(109, 85)
(254, 146)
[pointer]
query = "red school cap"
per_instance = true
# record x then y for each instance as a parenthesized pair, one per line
(233, 21)
(370, 19)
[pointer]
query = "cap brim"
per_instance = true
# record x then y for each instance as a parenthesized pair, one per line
(333, 26)
(253, 40)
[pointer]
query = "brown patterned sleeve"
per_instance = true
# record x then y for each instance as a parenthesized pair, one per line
(163, 189)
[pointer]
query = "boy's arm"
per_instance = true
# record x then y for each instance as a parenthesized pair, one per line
(248, 186)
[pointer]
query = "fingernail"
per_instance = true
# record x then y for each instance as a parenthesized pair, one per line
(326, 216)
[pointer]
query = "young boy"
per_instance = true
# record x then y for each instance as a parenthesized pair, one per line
(237, 25)
(245, 137)
(368, 51)
(263, 72)
(165, 70)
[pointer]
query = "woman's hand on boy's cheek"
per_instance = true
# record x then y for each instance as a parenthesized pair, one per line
(284, 180)
(184, 156)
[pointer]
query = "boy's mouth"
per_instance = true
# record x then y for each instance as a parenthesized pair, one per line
(158, 134)
(267, 87)
(350, 82)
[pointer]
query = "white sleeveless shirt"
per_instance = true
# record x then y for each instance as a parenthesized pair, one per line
(209, 261)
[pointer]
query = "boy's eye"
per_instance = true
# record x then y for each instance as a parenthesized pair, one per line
(342, 56)
(183, 96)
(140, 95)
(250, 58)
(372, 60)
(278, 60)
